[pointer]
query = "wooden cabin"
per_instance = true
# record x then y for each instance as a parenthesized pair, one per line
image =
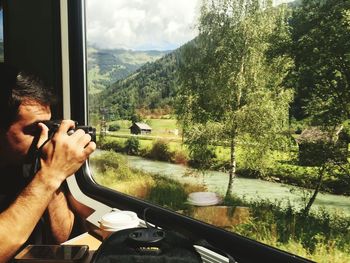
(140, 128)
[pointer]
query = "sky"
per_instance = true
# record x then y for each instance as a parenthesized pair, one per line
(142, 24)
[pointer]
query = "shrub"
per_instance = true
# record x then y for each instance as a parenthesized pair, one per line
(180, 157)
(110, 145)
(111, 169)
(160, 151)
(114, 127)
(202, 157)
(106, 161)
(168, 193)
(132, 145)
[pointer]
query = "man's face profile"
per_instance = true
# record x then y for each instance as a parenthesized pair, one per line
(18, 138)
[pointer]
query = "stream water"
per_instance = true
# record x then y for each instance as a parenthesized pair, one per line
(250, 189)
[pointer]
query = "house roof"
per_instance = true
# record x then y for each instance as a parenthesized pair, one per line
(142, 126)
(316, 134)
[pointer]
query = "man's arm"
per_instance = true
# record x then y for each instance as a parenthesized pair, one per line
(62, 157)
(60, 217)
(19, 220)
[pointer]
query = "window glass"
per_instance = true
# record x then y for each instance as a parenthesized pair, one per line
(233, 112)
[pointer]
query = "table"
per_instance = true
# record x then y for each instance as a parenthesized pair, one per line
(85, 239)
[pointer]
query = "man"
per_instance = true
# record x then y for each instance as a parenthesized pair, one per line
(24, 201)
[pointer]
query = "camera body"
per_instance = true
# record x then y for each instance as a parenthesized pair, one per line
(53, 126)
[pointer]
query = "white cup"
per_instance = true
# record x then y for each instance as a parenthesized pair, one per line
(117, 220)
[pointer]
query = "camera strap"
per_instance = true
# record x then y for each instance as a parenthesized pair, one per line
(38, 153)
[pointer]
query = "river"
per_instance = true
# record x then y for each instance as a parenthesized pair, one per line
(250, 189)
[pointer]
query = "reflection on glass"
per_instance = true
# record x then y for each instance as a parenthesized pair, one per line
(235, 115)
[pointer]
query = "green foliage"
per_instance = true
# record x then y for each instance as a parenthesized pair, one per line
(109, 168)
(108, 160)
(108, 144)
(180, 157)
(160, 151)
(107, 66)
(152, 86)
(114, 127)
(170, 194)
(230, 79)
(199, 139)
(110, 65)
(135, 118)
(277, 225)
(132, 145)
(321, 48)
(321, 152)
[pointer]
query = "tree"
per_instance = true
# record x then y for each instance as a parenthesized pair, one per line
(135, 118)
(132, 145)
(321, 48)
(230, 87)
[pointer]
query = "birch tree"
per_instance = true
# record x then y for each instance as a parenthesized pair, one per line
(232, 90)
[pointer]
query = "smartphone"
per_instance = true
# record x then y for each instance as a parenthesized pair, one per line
(52, 253)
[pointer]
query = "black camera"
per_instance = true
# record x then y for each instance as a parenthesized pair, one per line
(53, 126)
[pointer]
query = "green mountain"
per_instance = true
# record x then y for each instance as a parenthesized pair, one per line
(152, 86)
(106, 66)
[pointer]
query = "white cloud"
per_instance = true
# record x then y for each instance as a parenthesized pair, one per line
(141, 24)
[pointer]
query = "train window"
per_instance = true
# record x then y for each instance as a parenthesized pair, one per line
(235, 113)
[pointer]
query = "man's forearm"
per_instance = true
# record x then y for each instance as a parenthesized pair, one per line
(18, 221)
(61, 218)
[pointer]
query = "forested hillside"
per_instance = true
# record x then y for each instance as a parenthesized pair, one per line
(152, 87)
(106, 66)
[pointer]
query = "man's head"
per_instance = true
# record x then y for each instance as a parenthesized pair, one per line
(24, 101)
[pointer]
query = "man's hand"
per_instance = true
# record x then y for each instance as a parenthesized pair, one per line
(64, 154)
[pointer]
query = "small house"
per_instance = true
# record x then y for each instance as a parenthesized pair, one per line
(318, 146)
(140, 128)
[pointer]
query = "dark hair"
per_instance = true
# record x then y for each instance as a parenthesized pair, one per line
(18, 87)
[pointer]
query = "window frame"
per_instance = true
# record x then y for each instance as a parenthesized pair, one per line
(241, 248)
